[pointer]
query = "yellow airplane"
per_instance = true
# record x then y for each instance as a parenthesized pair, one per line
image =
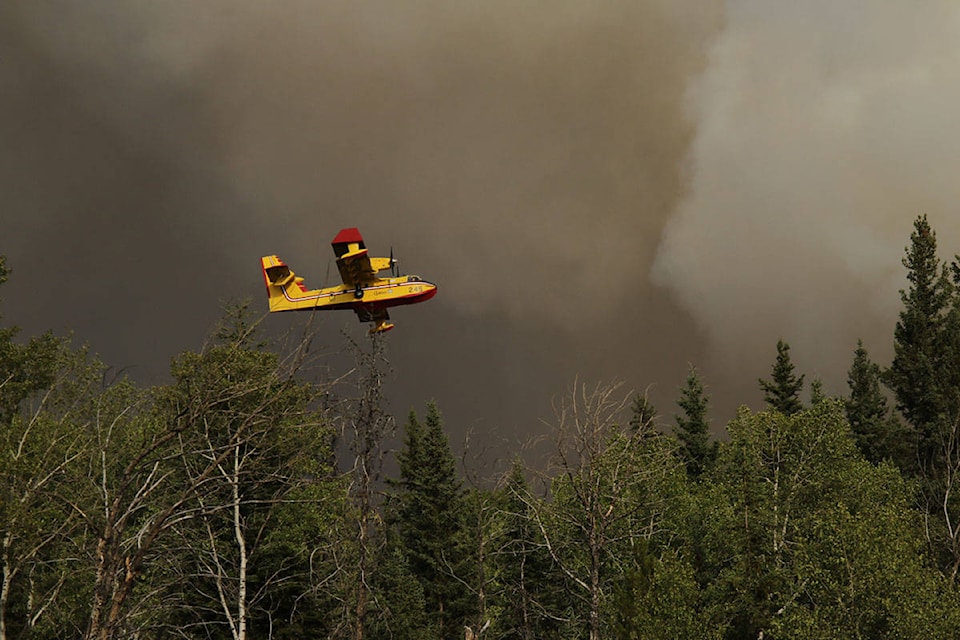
(362, 291)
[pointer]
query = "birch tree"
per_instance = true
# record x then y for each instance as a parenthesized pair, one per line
(174, 457)
(258, 451)
(43, 438)
(814, 541)
(44, 385)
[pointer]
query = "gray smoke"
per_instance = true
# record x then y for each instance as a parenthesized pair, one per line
(823, 130)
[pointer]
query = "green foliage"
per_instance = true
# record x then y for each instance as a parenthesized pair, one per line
(657, 597)
(43, 440)
(782, 392)
(860, 569)
(817, 394)
(611, 487)
(132, 512)
(530, 586)
(879, 435)
(401, 611)
(820, 543)
(923, 368)
(236, 403)
(430, 521)
(27, 369)
(643, 414)
(925, 378)
(777, 469)
(693, 427)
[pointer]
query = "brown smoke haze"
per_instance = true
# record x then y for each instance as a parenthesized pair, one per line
(540, 161)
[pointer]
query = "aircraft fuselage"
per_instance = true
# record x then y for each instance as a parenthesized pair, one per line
(382, 294)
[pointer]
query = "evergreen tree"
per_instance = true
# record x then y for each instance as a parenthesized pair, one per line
(429, 520)
(782, 392)
(878, 434)
(530, 584)
(950, 351)
(643, 413)
(400, 601)
(693, 426)
(918, 366)
(817, 394)
(925, 378)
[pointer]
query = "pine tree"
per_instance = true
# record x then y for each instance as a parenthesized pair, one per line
(693, 426)
(430, 523)
(782, 393)
(919, 367)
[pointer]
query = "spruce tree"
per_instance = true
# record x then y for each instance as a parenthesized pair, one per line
(919, 366)
(429, 520)
(878, 435)
(399, 603)
(529, 584)
(782, 392)
(643, 413)
(693, 426)
(817, 394)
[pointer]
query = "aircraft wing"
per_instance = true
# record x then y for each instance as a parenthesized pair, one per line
(353, 262)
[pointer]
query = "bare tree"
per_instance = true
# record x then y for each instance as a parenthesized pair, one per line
(367, 424)
(135, 500)
(239, 508)
(485, 530)
(603, 490)
(185, 454)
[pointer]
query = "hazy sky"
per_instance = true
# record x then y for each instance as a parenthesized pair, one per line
(613, 189)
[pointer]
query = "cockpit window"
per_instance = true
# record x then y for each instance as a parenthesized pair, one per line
(413, 279)
(277, 274)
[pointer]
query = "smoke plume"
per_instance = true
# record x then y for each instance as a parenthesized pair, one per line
(823, 130)
(614, 189)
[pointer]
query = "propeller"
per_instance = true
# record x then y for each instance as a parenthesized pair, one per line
(394, 265)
